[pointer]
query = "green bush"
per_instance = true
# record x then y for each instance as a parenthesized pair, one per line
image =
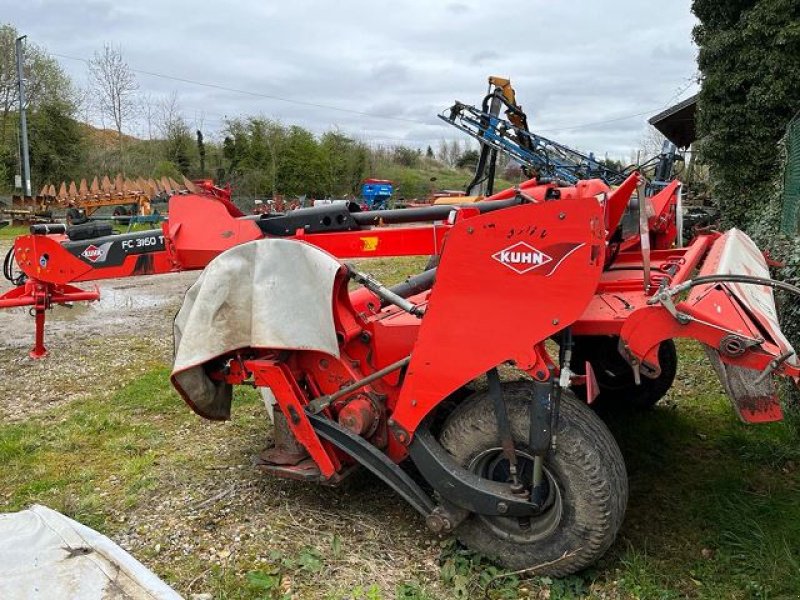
(750, 63)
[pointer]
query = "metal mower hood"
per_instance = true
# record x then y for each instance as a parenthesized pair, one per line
(269, 293)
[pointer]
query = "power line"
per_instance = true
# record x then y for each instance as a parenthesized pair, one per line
(593, 123)
(623, 118)
(258, 94)
(690, 81)
(222, 120)
(363, 113)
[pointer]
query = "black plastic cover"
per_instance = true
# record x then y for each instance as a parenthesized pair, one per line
(89, 231)
(318, 219)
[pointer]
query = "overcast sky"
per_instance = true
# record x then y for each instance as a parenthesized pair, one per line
(581, 69)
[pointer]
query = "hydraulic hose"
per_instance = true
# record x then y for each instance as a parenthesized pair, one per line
(8, 269)
(416, 284)
(735, 278)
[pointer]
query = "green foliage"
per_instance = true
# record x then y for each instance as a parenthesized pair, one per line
(750, 60)
(7, 168)
(405, 591)
(469, 575)
(56, 143)
(177, 149)
(55, 138)
(344, 164)
(407, 157)
(44, 78)
(201, 152)
(266, 158)
(166, 168)
(263, 582)
(613, 164)
(266, 582)
(468, 160)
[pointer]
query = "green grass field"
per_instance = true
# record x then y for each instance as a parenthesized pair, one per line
(416, 182)
(714, 509)
(10, 232)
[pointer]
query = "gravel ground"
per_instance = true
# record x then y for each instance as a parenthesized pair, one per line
(127, 329)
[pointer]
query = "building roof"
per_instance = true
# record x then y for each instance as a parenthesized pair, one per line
(677, 123)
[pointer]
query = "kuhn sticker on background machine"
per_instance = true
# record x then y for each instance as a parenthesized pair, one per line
(522, 471)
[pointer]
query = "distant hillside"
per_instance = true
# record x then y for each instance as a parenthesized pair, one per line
(104, 137)
(156, 158)
(415, 182)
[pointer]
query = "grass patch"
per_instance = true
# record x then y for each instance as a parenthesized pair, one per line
(713, 510)
(13, 231)
(416, 182)
(391, 271)
(96, 454)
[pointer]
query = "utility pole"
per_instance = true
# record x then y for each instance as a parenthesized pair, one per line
(23, 124)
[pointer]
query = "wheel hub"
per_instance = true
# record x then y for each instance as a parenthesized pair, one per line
(492, 464)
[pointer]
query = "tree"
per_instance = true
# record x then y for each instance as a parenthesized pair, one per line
(148, 107)
(55, 139)
(344, 163)
(175, 134)
(468, 160)
(429, 152)
(44, 79)
(408, 157)
(651, 144)
(449, 152)
(299, 164)
(252, 148)
(57, 143)
(201, 151)
(750, 63)
(115, 87)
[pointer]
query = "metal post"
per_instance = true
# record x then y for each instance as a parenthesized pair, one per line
(23, 124)
(39, 349)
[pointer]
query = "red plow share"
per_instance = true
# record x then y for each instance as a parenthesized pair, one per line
(522, 471)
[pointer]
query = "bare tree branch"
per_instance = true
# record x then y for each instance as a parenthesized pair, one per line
(115, 86)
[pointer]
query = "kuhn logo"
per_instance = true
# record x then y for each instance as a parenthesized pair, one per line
(521, 257)
(92, 253)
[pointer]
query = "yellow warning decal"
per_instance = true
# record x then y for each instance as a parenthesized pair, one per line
(369, 244)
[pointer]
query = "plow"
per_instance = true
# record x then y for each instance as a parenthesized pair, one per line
(126, 197)
(479, 370)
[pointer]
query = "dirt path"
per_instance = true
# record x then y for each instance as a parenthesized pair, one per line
(94, 347)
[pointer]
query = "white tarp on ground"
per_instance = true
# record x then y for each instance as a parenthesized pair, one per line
(45, 555)
(269, 293)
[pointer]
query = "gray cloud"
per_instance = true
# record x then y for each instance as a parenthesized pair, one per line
(571, 63)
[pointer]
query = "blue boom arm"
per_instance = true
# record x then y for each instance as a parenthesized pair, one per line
(534, 152)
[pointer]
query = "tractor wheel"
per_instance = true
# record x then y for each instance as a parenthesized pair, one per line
(588, 487)
(75, 217)
(614, 375)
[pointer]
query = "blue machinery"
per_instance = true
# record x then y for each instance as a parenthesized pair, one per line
(538, 156)
(376, 193)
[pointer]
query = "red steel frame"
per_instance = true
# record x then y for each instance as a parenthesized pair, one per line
(201, 226)
(480, 314)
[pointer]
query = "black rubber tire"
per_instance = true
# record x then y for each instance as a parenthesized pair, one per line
(75, 217)
(618, 389)
(586, 466)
